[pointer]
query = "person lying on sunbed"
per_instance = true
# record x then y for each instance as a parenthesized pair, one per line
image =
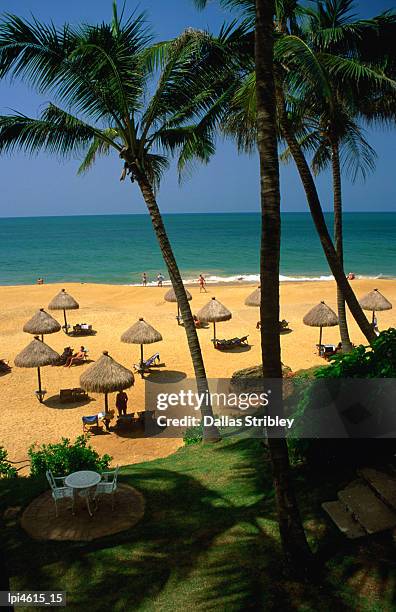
(76, 358)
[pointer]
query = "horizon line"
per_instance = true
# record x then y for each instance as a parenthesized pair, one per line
(231, 212)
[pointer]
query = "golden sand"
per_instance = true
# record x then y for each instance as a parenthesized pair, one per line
(111, 310)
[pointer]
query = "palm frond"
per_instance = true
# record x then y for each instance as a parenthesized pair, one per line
(99, 146)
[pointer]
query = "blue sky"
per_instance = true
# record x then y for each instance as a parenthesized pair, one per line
(44, 186)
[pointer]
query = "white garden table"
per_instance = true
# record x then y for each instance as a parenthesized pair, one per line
(82, 483)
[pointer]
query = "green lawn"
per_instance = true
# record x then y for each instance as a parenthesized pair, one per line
(208, 541)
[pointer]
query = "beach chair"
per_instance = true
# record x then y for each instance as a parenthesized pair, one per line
(326, 350)
(126, 421)
(108, 485)
(146, 416)
(146, 365)
(231, 343)
(66, 396)
(59, 491)
(96, 421)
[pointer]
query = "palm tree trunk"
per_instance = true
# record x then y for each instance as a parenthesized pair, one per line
(209, 433)
(339, 243)
(292, 534)
(320, 223)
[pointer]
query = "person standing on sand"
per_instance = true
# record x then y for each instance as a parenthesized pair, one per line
(122, 403)
(144, 279)
(202, 284)
(160, 279)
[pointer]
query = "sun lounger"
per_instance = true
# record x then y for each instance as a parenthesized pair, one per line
(125, 421)
(146, 365)
(327, 350)
(96, 420)
(82, 329)
(72, 395)
(232, 343)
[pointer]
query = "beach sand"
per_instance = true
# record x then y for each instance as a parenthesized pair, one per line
(111, 309)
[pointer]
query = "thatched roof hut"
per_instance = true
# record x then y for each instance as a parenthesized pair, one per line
(106, 376)
(321, 316)
(214, 312)
(36, 355)
(42, 323)
(141, 332)
(63, 301)
(375, 301)
(254, 298)
(170, 296)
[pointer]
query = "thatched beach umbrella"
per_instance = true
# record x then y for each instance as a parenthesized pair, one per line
(63, 301)
(214, 312)
(141, 333)
(42, 323)
(321, 316)
(36, 355)
(375, 301)
(254, 298)
(106, 376)
(170, 296)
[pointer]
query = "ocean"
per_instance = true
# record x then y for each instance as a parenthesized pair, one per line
(116, 249)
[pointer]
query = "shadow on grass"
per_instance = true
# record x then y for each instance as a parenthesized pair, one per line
(208, 541)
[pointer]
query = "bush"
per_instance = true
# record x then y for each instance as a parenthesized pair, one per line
(65, 457)
(6, 469)
(193, 435)
(376, 361)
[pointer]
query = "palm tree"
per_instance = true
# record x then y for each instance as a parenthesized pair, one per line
(99, 76)
(294, 543)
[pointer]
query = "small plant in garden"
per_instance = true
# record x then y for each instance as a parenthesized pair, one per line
(65, 457)
(193, 435)
(6, 469)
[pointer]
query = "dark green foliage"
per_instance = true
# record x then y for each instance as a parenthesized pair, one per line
(376, 361)
(6, 469)
(65, 457)
(193, 435)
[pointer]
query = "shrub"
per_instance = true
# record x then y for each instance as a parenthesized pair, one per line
(376, 361)
(193, 435)
(65, 457)
(6, 469)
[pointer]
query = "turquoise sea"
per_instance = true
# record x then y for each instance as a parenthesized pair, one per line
(224, 247)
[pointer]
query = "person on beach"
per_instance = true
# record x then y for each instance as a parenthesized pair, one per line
(144, 279)
(76, 358)
(40, 281)
(121, 403)
(160, 279)
(351, 276)
(202, 283)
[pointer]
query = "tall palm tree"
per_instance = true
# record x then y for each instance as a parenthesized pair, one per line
(294, 543)
(99, 77)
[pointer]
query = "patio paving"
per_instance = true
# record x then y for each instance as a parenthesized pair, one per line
(40, 522)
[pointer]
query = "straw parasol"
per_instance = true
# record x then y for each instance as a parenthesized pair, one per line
(170, 296)
(254, 298)
(321, 316)
(214, 312)
(141, 333)
(106, 376)
(63, 301)
(36, 355)
(375, 301)
(42, 323)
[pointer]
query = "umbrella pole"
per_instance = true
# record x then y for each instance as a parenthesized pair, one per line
(39, 385)
(320, 339)
(42, 337)
(141, 361)
(214, 333)
(64, 316)
(106, 404)
(373, 317)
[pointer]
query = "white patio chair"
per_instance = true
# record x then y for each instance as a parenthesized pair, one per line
(59, 490)
(108, 485)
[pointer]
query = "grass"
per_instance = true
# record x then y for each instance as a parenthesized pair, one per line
(208, 541)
